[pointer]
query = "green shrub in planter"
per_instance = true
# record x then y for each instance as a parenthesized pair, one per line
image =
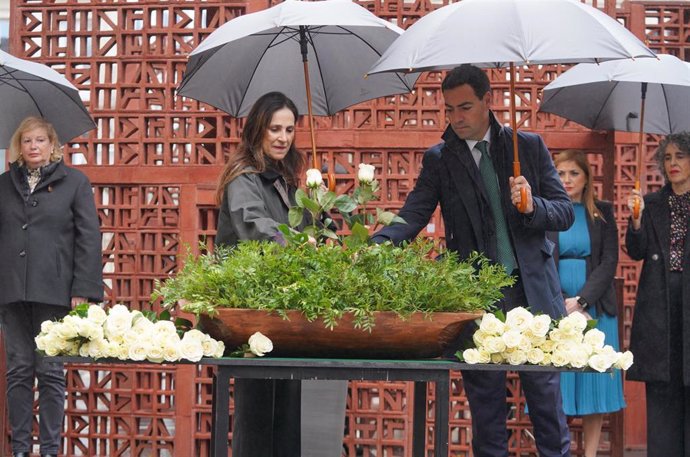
(328, 280)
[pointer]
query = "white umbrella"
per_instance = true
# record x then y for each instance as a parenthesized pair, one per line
(644, 95)
(498, 33)
(33, 89)
(332, 43)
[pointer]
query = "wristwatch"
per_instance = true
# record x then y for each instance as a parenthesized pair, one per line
(582, 302)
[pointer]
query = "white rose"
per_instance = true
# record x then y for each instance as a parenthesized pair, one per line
(599, 362)
(84, 349)
(547, 346)
(366, 173)
(512, 338)
(96, 314)
(208, 344)
(479, 337)
(190, 347)
(99, 348)
(171, 351)
(90, 330)
(119, 320)
(517, 357)
(195, 334)
(497, 358)
(314, 178)
(138, 350)
(484, 356)
(495, 344)
(491, 325)
(559, 358)
(625, 361)
(67, 329)
(519, 319)
(162, 328)
(47, 326)
(546, 361)
(535, 356)
(594, 338)
(573, 323)
(579, 356)
(220, 350)
(540, 325)
(259, 344)
(525, 344)
(155, 354)
(471, 356)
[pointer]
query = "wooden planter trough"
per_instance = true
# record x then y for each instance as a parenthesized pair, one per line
(418, 337)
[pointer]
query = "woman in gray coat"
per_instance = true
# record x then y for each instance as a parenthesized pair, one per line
(50, 259)
(256, 191)
(660, 338)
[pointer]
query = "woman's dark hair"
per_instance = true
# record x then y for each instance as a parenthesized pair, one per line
(250, 153)
(588, 197)
(681, 140)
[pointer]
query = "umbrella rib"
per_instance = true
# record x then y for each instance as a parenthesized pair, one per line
(668, 111)
(603, 104)
(397, 74)
(258, 62)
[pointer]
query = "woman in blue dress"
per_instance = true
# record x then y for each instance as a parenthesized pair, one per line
(587, 257)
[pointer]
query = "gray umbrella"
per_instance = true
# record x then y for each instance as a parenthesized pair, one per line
(317, 53)
(642, 95)
(33, 89)
(506, 33)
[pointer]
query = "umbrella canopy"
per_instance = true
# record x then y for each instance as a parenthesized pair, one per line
(33, 89)
(608, 96)
(264, 51)
(496, 33)
(644, 95)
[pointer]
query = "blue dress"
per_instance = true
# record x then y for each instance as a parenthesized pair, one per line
(586, 393)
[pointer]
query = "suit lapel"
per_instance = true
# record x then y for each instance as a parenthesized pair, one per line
(461, 165)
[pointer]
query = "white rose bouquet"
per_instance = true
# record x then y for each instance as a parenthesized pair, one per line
(519, 337)
(318, 201)
(90, 331)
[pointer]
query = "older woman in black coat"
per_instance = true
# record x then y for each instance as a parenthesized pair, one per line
(660, 338)
(50, 259)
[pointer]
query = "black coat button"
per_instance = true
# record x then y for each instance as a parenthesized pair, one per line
(34, 203)
(25, 226)
(22, 253)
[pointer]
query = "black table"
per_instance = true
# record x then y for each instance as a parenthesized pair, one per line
(419, 371)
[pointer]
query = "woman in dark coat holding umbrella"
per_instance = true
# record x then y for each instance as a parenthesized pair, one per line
(660, 338)
(50, 259)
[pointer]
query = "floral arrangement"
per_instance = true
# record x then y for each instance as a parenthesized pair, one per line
(519, 337)
(91, 331)
(324, 274)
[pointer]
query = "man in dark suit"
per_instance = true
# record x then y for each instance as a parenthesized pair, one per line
(469, 174)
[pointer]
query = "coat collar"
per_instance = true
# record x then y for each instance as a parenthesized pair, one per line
(51, 173)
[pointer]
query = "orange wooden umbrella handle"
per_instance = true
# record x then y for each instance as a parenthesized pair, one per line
(522, 206)
(636, 203)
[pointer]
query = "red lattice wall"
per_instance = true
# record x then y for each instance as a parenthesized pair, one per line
(154, 161)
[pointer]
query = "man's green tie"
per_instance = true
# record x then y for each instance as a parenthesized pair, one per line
(504, 249)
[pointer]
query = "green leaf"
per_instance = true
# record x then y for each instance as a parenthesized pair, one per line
(388, 217)
(345, 204)
(300, 195)
(164, 315)
(327, 200)
(311, 205)
(81, 310)
(295, 216)
(183, 324)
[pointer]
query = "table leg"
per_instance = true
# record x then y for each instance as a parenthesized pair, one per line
(220, 412)
(441, 420)
(419, 419)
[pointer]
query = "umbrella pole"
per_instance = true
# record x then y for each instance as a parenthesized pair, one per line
(636, 205)
(305, 63)
(522, 206)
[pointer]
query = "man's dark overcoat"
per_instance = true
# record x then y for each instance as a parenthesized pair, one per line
(450, 177)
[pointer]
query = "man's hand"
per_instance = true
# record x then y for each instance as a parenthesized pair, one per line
(78, 301)
(516, 184)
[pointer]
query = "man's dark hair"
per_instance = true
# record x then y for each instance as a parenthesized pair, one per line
(467, 74)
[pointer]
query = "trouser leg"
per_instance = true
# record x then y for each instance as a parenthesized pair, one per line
(543, 394)
(486, 392)
(51, 386)
(323, 418)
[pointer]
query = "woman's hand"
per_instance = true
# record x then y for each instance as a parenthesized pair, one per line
(572, 306)
(78, 301)
(636, 196)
